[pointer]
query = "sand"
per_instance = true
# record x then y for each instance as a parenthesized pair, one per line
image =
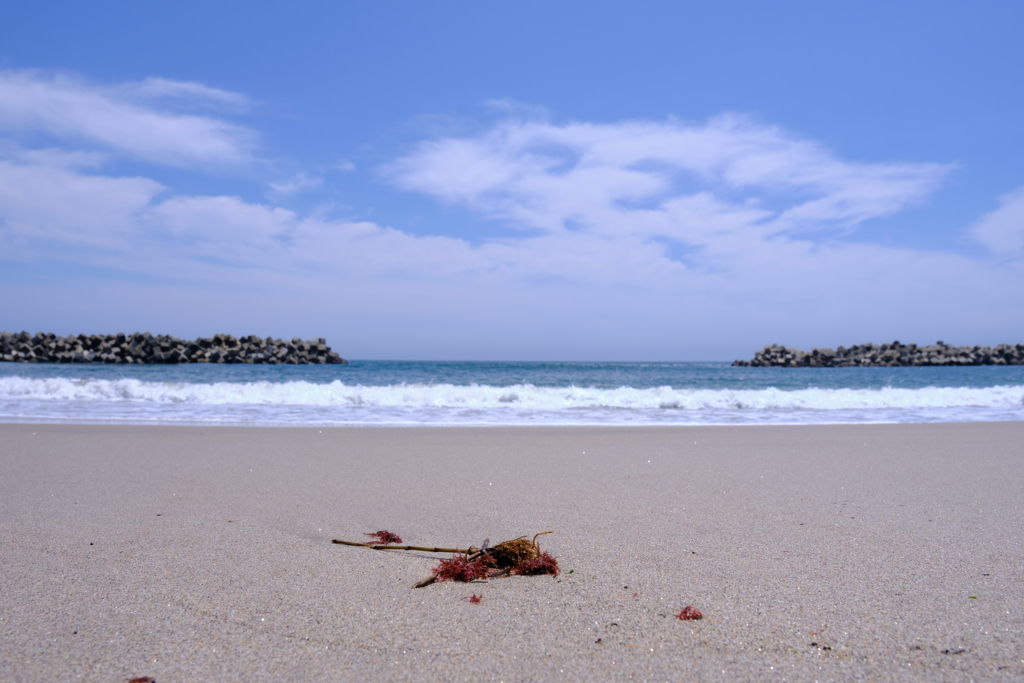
(878, 552)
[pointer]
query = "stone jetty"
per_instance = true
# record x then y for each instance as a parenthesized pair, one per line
(146, 348)
(886, 355)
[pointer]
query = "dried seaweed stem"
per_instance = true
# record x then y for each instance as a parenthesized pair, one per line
(425, 549)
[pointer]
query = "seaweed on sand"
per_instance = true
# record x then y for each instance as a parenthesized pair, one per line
(518, 556)
(383, 538)
(537, 566)
(461, 568)
(689, 613)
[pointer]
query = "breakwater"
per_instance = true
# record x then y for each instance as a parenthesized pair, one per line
(886, 355)
(142, 347)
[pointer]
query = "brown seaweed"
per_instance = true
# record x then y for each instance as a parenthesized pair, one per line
(518, 556)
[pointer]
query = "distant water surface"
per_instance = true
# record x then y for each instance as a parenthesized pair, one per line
(504, 393)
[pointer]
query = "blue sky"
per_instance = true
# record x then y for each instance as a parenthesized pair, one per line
(557, 180)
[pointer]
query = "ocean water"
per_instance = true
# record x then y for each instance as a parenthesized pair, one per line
(504, 393)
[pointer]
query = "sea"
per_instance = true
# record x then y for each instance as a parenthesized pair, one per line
(443, 393)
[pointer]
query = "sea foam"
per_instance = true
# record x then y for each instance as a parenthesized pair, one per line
(301, 402)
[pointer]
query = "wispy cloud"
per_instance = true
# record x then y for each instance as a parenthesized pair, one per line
(186, 92)
(49, 207)
(121, 119)
(297, 183)
(630, 230)
(1002, 230)
(52, 207)
(132, 223)
(510, 108)
(672, 180)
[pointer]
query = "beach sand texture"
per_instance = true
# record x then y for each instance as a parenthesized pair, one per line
(879, 552)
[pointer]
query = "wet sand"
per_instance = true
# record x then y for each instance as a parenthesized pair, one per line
(880, 552)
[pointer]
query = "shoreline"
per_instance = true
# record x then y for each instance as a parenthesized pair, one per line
(491, 425)
(193, 553)
(328, 396)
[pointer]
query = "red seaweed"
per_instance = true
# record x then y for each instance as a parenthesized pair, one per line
(475, 599)
(461, 568)
(544, 564)
(689, 613)
(384, 538)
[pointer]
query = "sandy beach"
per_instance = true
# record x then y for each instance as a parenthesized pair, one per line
(875, 552)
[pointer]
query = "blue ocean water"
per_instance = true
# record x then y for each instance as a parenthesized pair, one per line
(504, 393)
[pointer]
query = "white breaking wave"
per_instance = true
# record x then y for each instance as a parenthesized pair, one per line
(301, 402)
(523, 396)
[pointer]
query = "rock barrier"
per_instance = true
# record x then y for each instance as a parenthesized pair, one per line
(886, 355)
(146, 348)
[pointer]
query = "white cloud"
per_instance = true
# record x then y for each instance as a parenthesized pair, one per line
(114, 118)
(639, 177)
(605, 197)
(53, 157)
(636, 234)
(187, 92)
(127, 223)
(56, 209)
(510, 107)
(297, 183)
(1002, 230)
(50, 207)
